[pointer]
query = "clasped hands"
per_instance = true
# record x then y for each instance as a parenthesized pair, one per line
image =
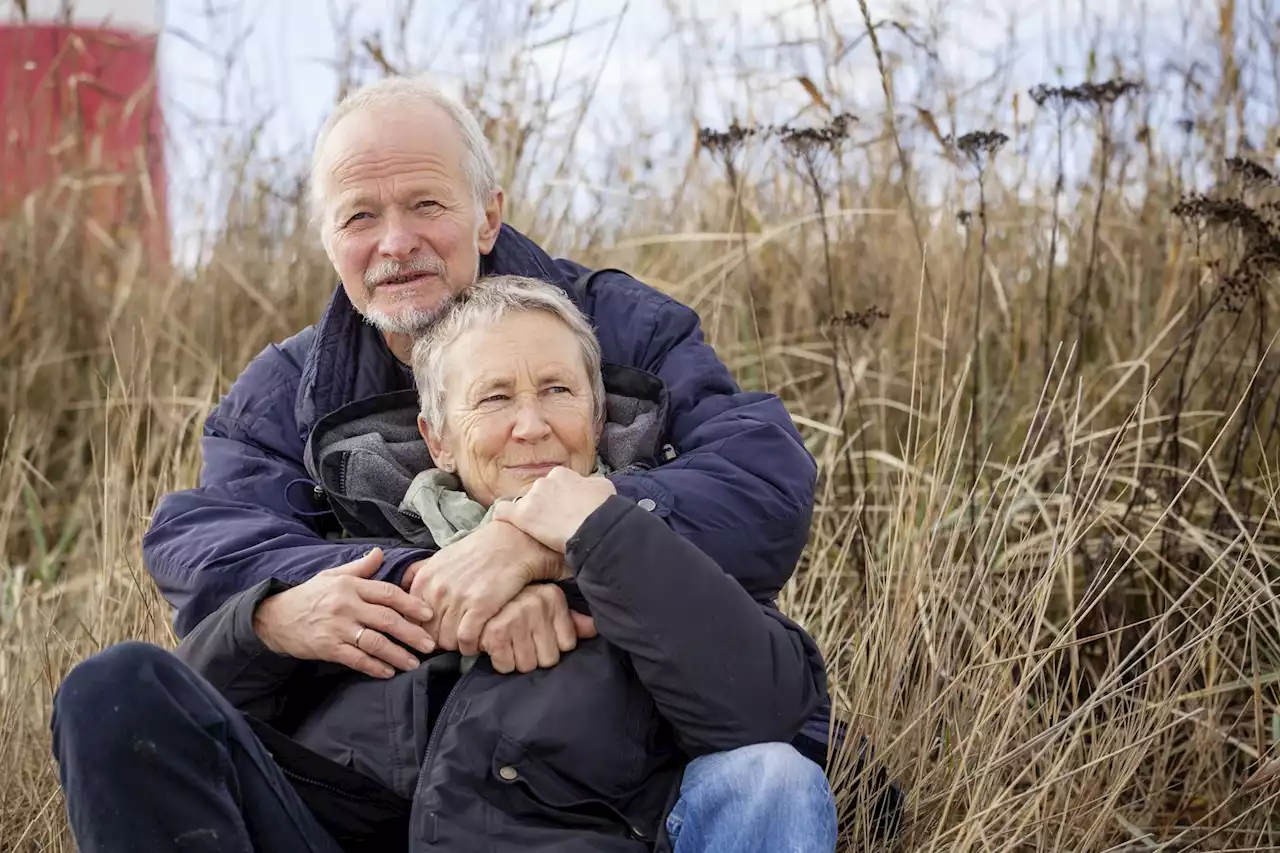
(488, 592)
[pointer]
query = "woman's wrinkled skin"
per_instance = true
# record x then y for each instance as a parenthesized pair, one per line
(517, 405)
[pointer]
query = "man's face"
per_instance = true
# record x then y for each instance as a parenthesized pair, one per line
(403, 227)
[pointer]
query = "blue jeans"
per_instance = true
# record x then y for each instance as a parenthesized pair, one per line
(765, 797)
(151, 757)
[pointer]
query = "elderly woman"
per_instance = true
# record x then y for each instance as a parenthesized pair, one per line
(655, 699)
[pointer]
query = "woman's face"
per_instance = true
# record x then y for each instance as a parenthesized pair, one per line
(517, 404)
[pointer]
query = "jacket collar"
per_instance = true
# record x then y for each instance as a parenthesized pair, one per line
(364, 456)
(349, 359)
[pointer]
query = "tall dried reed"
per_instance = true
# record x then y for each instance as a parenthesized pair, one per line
(1043, 562)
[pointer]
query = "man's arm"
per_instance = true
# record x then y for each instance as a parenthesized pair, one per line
(238, 527)
(742, 486)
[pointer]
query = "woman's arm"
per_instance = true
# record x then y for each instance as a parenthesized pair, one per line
(725, 669)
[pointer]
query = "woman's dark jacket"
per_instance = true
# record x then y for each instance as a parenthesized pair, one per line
(585, 756)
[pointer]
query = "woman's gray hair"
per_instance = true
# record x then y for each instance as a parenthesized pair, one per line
(402, 92)
(484, 303)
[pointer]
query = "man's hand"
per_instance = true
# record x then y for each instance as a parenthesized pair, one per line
(322, 618)
(468, 582)
(534, 629)
(555, 506)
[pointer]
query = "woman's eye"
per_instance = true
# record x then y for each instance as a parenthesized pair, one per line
(559, 389)
(427, 203)
(355, 216)
(494, 398)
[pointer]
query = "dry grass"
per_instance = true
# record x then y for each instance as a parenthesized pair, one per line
(1044, 556)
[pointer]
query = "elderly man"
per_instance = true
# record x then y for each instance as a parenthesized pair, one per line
(410, 211)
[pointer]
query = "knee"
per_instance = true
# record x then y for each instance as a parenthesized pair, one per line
(783, 771)
(104, 692)
(773, 776)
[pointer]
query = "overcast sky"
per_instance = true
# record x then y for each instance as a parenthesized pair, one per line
(287, 48)
(631, 58)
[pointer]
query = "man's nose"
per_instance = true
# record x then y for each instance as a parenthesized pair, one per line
(530, 424)
(398, 240)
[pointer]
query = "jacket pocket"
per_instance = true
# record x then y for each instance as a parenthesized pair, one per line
(535, 791)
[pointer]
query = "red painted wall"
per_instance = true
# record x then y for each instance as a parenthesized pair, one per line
(83, 101)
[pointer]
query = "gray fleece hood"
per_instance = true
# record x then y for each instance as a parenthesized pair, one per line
(365, 455)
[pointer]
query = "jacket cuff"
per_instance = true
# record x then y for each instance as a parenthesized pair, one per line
(395, 561)
(591, 535)
(246, 639)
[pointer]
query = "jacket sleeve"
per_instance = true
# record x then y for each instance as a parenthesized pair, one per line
(238, 527)
(724, 669)
(741, 488)
(227, 652)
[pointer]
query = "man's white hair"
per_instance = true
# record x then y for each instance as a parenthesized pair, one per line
(484, 303)
(405, 92)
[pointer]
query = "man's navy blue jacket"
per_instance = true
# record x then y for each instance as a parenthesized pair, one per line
(740, 487)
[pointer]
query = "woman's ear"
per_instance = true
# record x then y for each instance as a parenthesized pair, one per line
(435, 444)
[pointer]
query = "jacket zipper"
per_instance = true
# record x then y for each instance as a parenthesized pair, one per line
(441, 721)
(306, 780)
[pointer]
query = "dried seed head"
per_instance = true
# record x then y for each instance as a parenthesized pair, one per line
(1238, 289)
(727, 142)
(1215, 211)
(863, 319)
(1252, 175)
(804, 140)
(1042, 94)
(979, 146)
(1107, 92)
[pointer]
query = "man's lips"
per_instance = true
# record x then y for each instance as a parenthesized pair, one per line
(403, 281)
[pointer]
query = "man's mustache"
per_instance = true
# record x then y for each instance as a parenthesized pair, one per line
(386, 271)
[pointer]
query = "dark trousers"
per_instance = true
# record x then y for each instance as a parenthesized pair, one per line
(151, 757)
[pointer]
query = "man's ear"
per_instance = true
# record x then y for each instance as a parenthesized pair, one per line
(443, 458)
(491, 224)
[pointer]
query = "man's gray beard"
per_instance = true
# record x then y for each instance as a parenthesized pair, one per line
(409, 321)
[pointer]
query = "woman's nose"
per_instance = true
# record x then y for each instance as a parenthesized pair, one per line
(530, 424)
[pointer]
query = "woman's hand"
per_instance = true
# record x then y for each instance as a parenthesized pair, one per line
(467, 583)
(556, 506)
(533, 630)
(344, 616)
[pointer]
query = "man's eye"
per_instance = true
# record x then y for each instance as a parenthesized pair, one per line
(427, 203)
(559, 389)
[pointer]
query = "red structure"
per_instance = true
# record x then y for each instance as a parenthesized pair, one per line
(80, 113)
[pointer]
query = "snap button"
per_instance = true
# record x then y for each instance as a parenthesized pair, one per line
(508, 773)
(647, 504)
(637, 833)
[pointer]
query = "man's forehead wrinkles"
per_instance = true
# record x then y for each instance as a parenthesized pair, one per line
(384, 156)
(399, 188)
